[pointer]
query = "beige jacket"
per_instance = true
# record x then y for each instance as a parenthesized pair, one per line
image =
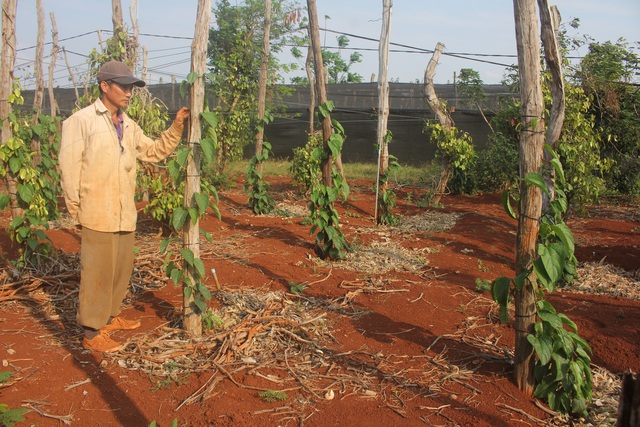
(99, 179)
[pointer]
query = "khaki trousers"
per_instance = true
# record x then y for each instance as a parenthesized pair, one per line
(106, 264)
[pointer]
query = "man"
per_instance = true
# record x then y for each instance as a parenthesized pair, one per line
(98, 153)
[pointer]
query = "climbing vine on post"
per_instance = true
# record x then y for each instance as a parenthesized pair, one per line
(387, 197)
(37, 185)
(562, 367)
(330, 241)
(258, 189)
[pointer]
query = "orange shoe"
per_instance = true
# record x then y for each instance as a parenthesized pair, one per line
(101, 343)
(120, 324)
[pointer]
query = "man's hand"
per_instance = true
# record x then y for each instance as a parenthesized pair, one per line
(182, 116)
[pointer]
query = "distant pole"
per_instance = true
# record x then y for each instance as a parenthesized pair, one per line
(383, 101)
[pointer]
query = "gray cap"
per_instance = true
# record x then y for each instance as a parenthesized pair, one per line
(118, 72)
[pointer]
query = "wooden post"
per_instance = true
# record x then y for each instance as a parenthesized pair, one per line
(321, 89)
(191, 239)
(52, 63)
(6, 86)
(73, 79)
(444, 118)
(383, 103)
(38, 96)
(116, 17)
(262, 83)
(550, 22)
(531, 154)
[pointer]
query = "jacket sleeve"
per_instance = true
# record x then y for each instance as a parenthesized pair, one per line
(70, 159)
(150, 150)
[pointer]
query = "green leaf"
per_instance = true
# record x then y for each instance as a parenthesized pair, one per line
(192, 77)
(552, 257)
(26, 192)
(183, 156)
(188, 256)
(179, 217)
(176, 276)
(202, 306)
(555, 162)
(202, 200)
(204, 291)
(164, 244)
(537, 180)
(15, 165)
(207, 235)
(500, 290)
(199, 266)
(193, 214)
(335, 144)
(208, 149)
(564, 234)
(506, 202)
(541, 274)
(520, 280)
(211, 118)
(552, 318)
(4, 201)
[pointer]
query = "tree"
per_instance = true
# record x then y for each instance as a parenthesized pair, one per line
(454, 147)
(338, 69)
(606, 73)
(470, 85)
(235, 54)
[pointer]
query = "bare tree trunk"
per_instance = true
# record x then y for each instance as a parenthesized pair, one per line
(321, 89)
(38, 96)
(550, 22)
(6, 86)
(262, 83)
(192, 320)
(531, 154)
(52, 63)
(134, 20)
(116, 17)
(383, 106)
(444, 118)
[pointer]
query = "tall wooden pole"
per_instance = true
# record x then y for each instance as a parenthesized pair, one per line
(262, 83)
(6, 86)
(383, 100)
(444, 118)
(191, 239)
(52, 63)
(321, 89)
(38, 95)
(531, 154)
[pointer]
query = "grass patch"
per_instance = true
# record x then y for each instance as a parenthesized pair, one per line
(406, 175)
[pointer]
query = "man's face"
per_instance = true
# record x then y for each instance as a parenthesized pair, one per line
(116, 94)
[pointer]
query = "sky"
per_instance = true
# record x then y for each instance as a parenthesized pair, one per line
(483, 32)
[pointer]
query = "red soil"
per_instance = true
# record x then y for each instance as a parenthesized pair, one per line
(398, 329)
